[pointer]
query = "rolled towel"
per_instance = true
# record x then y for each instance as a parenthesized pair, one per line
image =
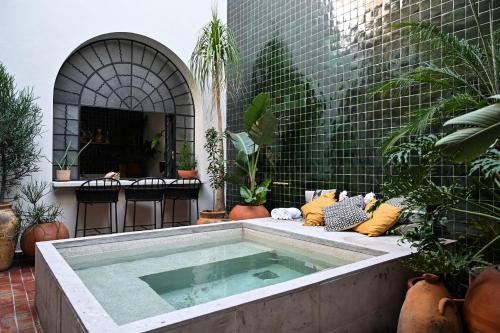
(369, 197)
(285, 213)
(343, 195)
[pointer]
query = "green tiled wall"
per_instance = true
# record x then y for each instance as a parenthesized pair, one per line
(319, 60)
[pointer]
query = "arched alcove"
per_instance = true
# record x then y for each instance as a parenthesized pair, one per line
(121, 77)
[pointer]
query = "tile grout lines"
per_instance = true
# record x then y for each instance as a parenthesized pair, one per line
(17, 301)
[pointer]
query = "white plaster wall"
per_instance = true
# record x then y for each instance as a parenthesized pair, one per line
(37, 36)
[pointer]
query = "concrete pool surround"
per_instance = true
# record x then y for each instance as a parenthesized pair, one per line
(330, 300)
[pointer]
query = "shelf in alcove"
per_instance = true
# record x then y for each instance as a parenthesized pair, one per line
(109, 144)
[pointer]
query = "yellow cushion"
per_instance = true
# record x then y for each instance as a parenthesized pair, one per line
(368, 206)
(313, 211)
(384, 217)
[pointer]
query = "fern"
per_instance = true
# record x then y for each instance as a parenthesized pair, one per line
(488, 165)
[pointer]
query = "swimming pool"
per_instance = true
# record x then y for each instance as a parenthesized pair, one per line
(140, 282)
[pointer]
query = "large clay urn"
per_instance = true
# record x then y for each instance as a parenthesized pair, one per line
(482, 302)
(212, 216)
(428, 308)
(8, 230)
(245, 212)
(41, 233)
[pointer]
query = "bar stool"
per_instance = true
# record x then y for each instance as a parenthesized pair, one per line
(182, 189)
(97, 191)
(150, 189)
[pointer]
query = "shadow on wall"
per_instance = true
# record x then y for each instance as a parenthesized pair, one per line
(300, 149)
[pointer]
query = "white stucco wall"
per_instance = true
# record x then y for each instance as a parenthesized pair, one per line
(37, 36)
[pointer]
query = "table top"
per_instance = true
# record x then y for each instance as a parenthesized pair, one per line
(77, 183)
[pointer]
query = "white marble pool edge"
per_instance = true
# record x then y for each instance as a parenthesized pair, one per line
(74, 296)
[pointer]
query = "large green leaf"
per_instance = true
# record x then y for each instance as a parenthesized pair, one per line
(241, 162)
(243, 143)
(259, 106)
(259, 122)
(263, 131)
(482, 128)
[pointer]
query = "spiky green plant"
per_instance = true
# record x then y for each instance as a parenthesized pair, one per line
(468, 72)
(34, 210)
(214, 55)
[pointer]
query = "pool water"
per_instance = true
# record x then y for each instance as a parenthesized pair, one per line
(190, 286)
(136, 284)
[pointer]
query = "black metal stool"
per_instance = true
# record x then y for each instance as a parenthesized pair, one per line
(144, 190)
(97, 191)
(182, 189)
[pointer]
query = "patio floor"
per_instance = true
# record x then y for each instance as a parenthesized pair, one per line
(17, 301)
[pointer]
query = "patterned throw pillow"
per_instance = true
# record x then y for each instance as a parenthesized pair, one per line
(345, 215)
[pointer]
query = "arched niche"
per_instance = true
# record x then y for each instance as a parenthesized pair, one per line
(117, 76)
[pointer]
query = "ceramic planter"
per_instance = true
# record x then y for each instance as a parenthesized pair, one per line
(428, 308)
(212, 216)
(482, 302)
(245, 212)
(40, 233)
(188, 173)
(63, 175)
(8, 227)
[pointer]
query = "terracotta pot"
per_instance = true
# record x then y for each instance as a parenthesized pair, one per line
(40, 233)
(188, 173)
(63, 175)
(8, 227)
(428, 308)
(482, 302)
(212, 216)
(245, 212)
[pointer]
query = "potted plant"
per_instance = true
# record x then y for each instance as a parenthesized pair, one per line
(187, 162)
(469, 83)
(38, 220)
(65, 163)
(260, 126)
(216, 175)
(20, 124)
(214, 56)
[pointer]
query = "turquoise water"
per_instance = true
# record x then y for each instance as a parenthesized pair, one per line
(190, 286)
(136, 284)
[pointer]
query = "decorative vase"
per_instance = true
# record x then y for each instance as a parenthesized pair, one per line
(188, 173)
(8, 228)
(428, 308)
(41, 233)
(212, 216)
(63, 175)
(482, 302)
(245, 212)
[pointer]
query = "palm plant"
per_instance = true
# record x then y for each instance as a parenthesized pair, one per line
(476, 132)
(213, 56)
(468, 72)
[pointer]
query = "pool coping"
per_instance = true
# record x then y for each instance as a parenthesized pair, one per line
(94, 318)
